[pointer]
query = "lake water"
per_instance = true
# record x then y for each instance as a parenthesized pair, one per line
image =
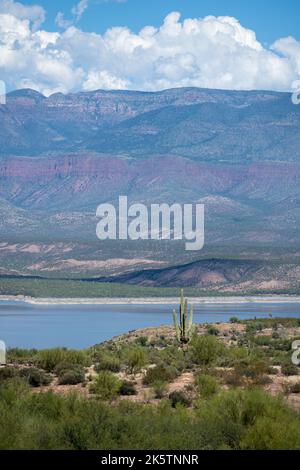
(79, 326)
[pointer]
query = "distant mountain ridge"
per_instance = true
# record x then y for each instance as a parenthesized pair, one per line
(206, 125)
(235, 151)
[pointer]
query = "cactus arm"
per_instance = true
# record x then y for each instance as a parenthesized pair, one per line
(191, 321)
(191, 316)
(177, 329)
(181, 308)
(184, 320)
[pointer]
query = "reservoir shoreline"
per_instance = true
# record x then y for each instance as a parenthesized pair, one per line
(151, 300)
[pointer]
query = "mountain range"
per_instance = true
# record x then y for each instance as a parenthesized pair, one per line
(236, 152)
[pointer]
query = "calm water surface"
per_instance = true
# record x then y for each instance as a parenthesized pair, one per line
(79, 326)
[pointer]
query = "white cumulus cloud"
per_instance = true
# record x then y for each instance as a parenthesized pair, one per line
(211, 52)
(34, 13)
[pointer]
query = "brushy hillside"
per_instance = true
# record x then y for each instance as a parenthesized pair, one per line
(232, 387)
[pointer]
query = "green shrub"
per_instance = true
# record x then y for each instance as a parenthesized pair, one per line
(234, 320)
(142, 341)
(127, 388)
(72, 376)
(288, 368)
(207, 385)
(179, 398)
(106, 385)
(263, 340)
(205, 349)
(244, 419)
(294, 388)
(253, 327)
(62, 366)
(231, 356)
(48, 359)
(248, 419)
(252, 369)
(232, 379)
(35, 377)
(159, 389)
(135, 359)
(282, 345)
(213, 331)
(21, 356)
(7, 373)
(12, 391)
(108, 362)
(172, 356)
(160, 373)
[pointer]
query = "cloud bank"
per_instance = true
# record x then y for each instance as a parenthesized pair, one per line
(213, 52)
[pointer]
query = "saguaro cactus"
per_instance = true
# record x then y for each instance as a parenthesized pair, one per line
(184, 326)
(2, 353)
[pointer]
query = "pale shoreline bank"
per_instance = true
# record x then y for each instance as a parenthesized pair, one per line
(151, 300)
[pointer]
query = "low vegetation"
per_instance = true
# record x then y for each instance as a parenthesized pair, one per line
(76, 288)
(232, 386)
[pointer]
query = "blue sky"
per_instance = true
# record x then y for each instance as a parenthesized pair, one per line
(71, 45)
(270, 19)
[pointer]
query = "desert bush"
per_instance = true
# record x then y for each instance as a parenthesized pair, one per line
(272, 370)
(108, 362)
(159, 389)
(288, 368)
(248, 420)
(207, 385)
(62, 366)
(282, 345)
(172, 356)
(269, 434)
(21, 356)
(135, 359)
(234, 320)
(205, 349)
(279, 357)
(141, 341)
(127, 388)
(232, 379)
(213, 331)
(106, 385)
(263, 340)
(161, 373)
(35, 377)
(48, 359)
(251, 369)
(294, 388)
(7, 373)
(231, 356)
(179, 398)
(254, 326)
(72, 376)
(245, 419)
